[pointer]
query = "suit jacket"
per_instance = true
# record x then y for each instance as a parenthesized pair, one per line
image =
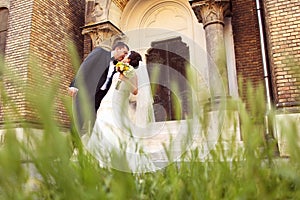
(92, 73)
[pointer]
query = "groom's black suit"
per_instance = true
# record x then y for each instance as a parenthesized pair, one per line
(91, 75)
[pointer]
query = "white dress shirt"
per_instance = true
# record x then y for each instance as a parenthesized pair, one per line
(109, 74)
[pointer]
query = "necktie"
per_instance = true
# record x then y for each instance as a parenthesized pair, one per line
(110, 79)
(114, 60)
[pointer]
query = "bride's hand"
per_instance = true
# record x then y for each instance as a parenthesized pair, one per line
(122, 77)
(132, 82)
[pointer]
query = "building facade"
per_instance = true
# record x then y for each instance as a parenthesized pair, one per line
(39, 29)
(225, 42)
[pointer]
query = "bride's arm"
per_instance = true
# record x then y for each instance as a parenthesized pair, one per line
(134, 85)
(133, 82)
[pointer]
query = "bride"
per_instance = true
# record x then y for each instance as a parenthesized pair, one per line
(114, 140)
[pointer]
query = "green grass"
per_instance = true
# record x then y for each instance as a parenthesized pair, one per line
(41, 165)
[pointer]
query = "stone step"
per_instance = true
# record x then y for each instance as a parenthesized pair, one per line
(178, 137)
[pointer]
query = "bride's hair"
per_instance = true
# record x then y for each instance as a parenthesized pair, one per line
(135, 59)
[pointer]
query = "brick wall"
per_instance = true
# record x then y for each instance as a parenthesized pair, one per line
(41, 28)
(247, 43)
(53, 24)
(88, 46)
(16, 53)
(283, 28)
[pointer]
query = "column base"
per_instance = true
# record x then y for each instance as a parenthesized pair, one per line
(215, 103)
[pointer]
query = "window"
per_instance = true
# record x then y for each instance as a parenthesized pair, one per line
(3, 28)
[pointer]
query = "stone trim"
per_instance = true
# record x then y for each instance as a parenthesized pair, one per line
(4, 4)
(103, 34)
(211, 12)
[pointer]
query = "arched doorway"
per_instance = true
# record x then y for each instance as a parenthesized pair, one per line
(164, 32)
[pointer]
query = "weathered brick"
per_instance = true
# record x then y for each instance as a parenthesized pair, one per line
(286, 25)
(247, 44)
(41, 28)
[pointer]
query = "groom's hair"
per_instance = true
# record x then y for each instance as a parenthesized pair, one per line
(121, 45)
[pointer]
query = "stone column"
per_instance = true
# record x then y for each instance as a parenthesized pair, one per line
(103, 34)
(211, 13)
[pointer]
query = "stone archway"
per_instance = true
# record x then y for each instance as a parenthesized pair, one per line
(154, 26)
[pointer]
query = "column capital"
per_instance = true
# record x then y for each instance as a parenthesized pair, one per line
(211, 11)
(103, 34)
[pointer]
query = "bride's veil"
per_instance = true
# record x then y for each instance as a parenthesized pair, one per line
(144, 100)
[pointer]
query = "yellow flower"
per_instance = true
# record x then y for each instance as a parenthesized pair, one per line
(125, 69)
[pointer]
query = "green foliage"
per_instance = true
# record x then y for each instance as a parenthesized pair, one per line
(41, 164)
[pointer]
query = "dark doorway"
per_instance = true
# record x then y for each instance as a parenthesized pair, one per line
(167, 63)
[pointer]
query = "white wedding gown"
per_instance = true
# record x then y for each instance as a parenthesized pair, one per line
(113, 141)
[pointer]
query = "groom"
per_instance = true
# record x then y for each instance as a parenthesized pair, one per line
(92, 82)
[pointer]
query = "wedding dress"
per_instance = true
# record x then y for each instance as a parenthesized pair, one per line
(114, 140)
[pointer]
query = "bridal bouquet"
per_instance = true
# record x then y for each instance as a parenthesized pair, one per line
(125, 69)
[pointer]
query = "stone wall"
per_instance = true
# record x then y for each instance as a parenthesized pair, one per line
(283, 30)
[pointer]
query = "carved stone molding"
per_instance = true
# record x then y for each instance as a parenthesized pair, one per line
(4, 3)
(120, 3)
(96, 11)
(103, 34)
(211, 11)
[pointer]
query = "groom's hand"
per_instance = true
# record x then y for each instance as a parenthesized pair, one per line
(72, 91)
